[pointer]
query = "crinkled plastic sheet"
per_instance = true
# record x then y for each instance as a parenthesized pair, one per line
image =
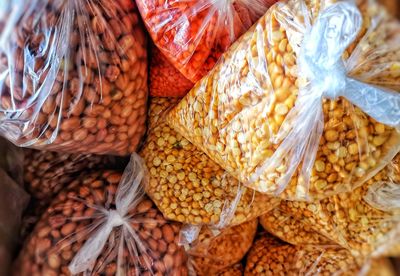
(73, 76)
(301, 106)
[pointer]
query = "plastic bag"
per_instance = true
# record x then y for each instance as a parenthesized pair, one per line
(269, 256)
(188, 187)
(103, 224)
(234, 270)
(212, 252)
(46, 173)
(193, 34)
(11, 160)
(286, 116)
(73, 76)
(366, 220)
(159, 108)
(289, 229)
(13, 202)
(165, 79)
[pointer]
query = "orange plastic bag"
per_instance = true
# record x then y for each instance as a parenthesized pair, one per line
(193, 34)
(165, 79)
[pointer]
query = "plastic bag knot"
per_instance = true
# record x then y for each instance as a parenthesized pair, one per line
(115, 219)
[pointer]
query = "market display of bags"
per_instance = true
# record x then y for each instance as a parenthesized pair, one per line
(73, 76)
(282, 159)
(300, 106)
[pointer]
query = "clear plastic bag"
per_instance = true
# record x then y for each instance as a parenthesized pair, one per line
(165, 79)
(214, 251)
(158, 109)
(193, 34)
(13, 203)
(366, 220)
(289, 229)
(234, 270)
(103, 224)
(190, 188)
(73, 76)
(269, 256)
(286, 115)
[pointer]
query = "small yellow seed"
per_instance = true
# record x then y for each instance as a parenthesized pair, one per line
(331, 135)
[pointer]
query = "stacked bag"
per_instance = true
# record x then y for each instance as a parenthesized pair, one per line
(269, 145)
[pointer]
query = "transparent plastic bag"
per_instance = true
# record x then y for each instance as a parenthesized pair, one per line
(212, 251)
(193, 34)
(165, 79)
(158, 109)
(103, 224)
(234, 270)
(366, 220)
(73, 76)
(289, 229)
(284, 114)
(269, 256)
(13, 203)
(190, 188)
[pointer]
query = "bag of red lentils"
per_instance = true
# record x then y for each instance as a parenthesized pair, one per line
(103, 224)
(305, 104)
(193, 34)
(73, 76)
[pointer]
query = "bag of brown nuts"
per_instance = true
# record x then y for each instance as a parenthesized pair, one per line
(365, 221)
(73, 76)
(189, 187)
(103, 224)
(213, 251)
(291, 230)
(300, 106)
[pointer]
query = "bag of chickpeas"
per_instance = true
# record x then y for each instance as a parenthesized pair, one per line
(305, 104)
(103, 224)
(366, 221)
(73, 76)
(187, 186)
(193, 34)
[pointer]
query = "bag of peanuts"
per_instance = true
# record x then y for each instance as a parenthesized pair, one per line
(103, 224)
(187, 186)
(73, 76)
(193, 34)
(366, 221)
(165, 79)
(46, 173)
(213, 251)
(269, 256)
(300, 106)
(291, 230)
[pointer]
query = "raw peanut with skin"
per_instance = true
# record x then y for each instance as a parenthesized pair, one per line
(165, 79)
(290, 229)
(269, 256)
(235, 112)
(61, 232)
(355, 220)
(212, 254)
(192, 35)
(46, 173)
(187, 186)
(80, 73)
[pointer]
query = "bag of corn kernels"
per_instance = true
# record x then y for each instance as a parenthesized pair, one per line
(269, 256)
(193, 34)
(290, 229)
(305, 104)
(187, 186)
(103, 224)
(366, 221)
(73, 76)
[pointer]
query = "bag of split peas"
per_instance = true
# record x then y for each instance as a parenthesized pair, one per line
(189, 187)
(192, 34)
(103, 224)
(73, 75)
(366, 220)
(305, 104)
